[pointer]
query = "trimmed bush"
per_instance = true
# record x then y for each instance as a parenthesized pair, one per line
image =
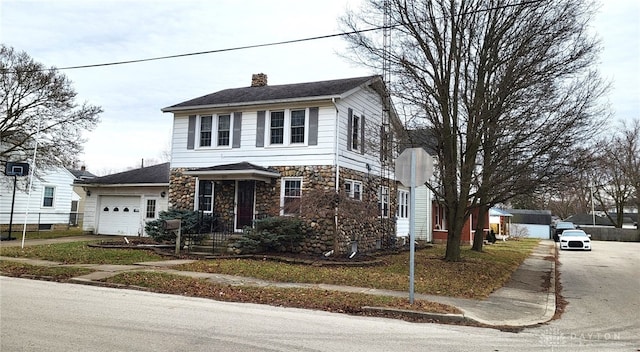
(279, 234)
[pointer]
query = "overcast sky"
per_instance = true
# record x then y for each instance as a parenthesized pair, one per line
(64, 33)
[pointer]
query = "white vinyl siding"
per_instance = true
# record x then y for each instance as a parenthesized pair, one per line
(269, 155)
(58, 213)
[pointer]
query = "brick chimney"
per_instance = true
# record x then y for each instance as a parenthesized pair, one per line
(258, 80)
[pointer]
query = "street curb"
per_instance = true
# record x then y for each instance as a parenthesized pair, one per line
(445, 318)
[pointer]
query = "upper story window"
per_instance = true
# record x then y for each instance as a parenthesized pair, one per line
(205, 130)
(224, 130)
(214, 130)
(355, 132)
(288, 127)
(277, 127)
(353, 189)
(48, 196)
(297, 126)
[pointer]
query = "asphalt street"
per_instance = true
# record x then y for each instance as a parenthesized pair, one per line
(47, 316)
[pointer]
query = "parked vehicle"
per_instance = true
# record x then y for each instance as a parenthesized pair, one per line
(560, 227)
(575, 239)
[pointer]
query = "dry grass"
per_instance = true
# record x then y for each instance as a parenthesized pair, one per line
(476, 276)
(332, 301)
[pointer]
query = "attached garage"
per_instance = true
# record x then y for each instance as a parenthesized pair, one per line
(119, 215)
(122, 203)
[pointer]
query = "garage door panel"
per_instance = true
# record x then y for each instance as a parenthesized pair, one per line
(119, 215)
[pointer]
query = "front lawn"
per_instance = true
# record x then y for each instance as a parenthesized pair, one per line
(476, 276)
(80, 253)
(332, 301)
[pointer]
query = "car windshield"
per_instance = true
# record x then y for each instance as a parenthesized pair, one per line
(574, 233)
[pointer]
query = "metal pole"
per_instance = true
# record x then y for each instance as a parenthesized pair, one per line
(412, 226)
(593, 208)
(13, 202)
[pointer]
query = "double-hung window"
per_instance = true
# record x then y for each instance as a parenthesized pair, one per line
(290, 195)
(206, 127)
(297, 126)
(383, 201)
(224, 130)
(353, 189)
(214, 131)
(403, 204)
(205, 195)
(277, 127)
(287, 127)
(48, 196)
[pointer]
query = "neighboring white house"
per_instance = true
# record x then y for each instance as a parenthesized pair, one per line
(121, 204)
(48, 205)
(246, 153)
(423, 212)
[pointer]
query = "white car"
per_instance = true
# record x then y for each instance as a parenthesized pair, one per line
(575, 239)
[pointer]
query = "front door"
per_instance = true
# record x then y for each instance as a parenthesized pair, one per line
(244, 203)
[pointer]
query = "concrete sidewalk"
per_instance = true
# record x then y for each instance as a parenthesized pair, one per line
(527, 299)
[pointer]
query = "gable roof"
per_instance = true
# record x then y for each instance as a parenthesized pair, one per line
(150, 175)
(277, 93)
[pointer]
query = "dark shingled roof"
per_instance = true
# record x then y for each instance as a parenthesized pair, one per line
(146, 175)
(277, 92)
(81, 174)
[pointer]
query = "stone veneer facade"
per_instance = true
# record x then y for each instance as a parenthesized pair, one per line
(358, 222)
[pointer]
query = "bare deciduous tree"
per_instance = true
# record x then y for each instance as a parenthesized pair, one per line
(617, 172)
(508, 89)
(32, 98)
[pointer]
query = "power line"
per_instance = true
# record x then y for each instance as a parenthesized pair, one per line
(292, 41)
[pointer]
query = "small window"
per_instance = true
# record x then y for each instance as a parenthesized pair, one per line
(206, 127)
(353, 189)
(291, 195)
(47, 200)
(277, 127)
(126, 210)
(151, 209)
(105, 209)
(116, 209)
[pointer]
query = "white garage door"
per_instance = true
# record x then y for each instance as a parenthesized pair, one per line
(119, 215)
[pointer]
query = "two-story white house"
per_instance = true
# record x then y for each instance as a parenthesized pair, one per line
(258, 151)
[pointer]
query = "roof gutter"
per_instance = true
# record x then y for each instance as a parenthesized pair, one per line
(250, 103)
(114, 185)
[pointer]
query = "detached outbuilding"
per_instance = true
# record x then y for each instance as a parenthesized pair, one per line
(122, 203)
